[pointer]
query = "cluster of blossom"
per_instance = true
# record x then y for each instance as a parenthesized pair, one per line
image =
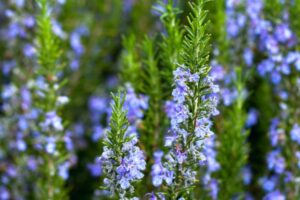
(15, 101)
(159, 173)
(212, 165)
(186, 148)
(24, 140)
(281, 60)
(283, 159)
(276, 41)
(123, 169)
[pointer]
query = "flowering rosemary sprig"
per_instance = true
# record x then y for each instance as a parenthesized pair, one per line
(50, 139)
(190, 110)
(122, 160)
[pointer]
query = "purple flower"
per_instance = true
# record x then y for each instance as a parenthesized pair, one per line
(4, 193)
(63, 170)
(123, 169)
(210, 155)
(57, 30)
(228, 96)
(97, 133)
(298, 158)
(75, 41)
(233, 28)
(271, 44)
(269, 184)
(75, 63)
(97, 104)
(21, 145)
(275, 77)
(29, 21)
(15, 30)
(51, 145)
(248, 56)
(19, 3)
(7, 67)
(52, 120)
(252, 118)
(29, 50)
(26, 98)
(135, 105)
(283, 33)
(95, 168)
(285, 68)
(276, 162)
(276, 195)
(265, 67)
(247, 175)
(295, 133)
(214, 189)
(275, 133)
(32, 163)
(217, 72)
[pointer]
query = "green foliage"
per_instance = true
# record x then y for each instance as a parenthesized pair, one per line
(48, 47)
(154, 116)
(294, 10)
(131, 65)
(273, 9)
(195, 55)
(118, 125)
(196, 47)
(233, 148)
(48, 58)
(217, 16)
(171, 41)
(154, 128)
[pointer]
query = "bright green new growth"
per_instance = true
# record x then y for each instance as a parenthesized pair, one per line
(196, 47)
(48, 54)
(218, 26)
(47, 42)
(154, 115)
(131, 65)
(118, 125)
(171, 42)
(233, 146)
